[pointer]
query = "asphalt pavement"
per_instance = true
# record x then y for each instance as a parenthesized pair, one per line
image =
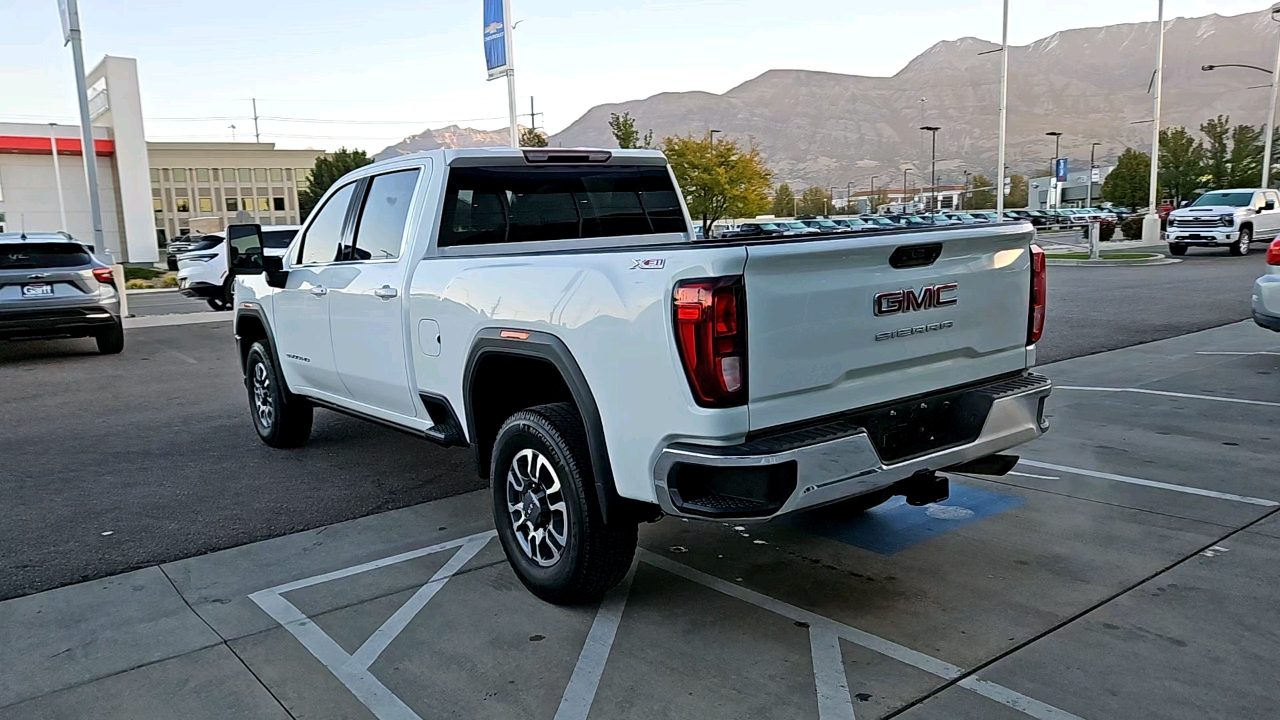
(165, 302)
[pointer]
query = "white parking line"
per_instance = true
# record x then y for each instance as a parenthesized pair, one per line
(576, 701)
(830, 681)
(1229, 352)
(1166, 393)
(1150, 483)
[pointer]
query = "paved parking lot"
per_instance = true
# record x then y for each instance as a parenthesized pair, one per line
(1126, 569)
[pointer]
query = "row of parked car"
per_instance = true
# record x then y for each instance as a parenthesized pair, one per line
(819, 226)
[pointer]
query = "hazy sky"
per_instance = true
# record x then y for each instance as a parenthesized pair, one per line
(399, 67)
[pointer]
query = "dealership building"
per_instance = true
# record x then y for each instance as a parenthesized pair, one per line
(149, 192)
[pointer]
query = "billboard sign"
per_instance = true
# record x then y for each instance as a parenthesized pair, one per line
(495, 38)
(1060, 169)
(1096, 176)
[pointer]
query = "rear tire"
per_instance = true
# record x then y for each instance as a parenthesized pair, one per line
(224, 301)
(1177, 249)
(111, 342)
(1241, 247)
(546, 511)
(282, 419)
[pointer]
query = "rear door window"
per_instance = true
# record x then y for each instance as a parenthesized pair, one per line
(488, 205)
(380, 231)
(324, 236)
(37, 255)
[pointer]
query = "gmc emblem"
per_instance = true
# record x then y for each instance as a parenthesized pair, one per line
(892, 302)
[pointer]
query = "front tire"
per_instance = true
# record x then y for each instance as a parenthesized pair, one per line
(1177, 249)
(546, 511)
(1241, 246)
(111, 342)
(282, 419)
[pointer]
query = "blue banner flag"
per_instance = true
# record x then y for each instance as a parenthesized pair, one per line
(495, 38)
(1061, 169)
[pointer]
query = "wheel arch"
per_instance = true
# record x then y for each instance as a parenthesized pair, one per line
(491, 354)
(251, 326)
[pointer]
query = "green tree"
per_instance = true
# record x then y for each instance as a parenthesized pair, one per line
(328, 169)
(1246, 156)
(1181, 163)
(719, 178)
(815, 201)
(784, 201)
(532, 138)
(983, 196)
(878, 199)
(1216, 131)
(1129, 183)
(1017, 197)
(624, 132)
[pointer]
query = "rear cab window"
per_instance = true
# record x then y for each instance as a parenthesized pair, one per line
(491, 205)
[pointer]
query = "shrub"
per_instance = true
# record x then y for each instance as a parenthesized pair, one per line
(1106, 231)
(1131, 228)
(136, 284)
(169, 281)
(141, 273)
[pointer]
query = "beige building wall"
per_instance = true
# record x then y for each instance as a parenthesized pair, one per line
(249, 182)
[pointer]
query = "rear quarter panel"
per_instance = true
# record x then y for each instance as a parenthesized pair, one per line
(615, 320)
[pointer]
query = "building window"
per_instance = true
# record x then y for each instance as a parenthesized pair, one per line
(202, 174)
(180, 192)
(160, 238)
(155, 174)
(180, 175)
(278, 204)
(277, 175)
(263, 192)
(260, 174)
(155, 192)
(304, 177)
(228, 175)
(184, 205)
(205, 204)
(245, 174)
(231, 205)
(246, 204)
(157, 204)
(264, 204)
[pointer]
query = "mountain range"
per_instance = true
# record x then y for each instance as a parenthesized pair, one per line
(1090, 84)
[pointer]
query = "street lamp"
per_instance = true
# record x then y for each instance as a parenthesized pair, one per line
(1269, 126)
(965, 197)
(1089, 193)
(1151, 223)
(1057, 150)
(933, 162)
(711, 136)
(904, 186)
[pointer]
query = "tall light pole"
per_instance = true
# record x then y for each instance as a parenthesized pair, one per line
(71, 35)
(1151, 223)
(964, 198)
(904, 186)
(1004, 111)
(711, 136)
(1089, 193)
(1057, 150)
(933, 163)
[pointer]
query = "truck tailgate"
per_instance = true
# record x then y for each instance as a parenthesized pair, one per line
(819, 345)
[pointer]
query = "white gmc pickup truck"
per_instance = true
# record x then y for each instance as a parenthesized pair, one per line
(552, 310)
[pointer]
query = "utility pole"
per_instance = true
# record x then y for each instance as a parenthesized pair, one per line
(1151, 223)
(1004, 111)
(965, 197)
(922, 102)
(904, 185)
(933, 162)
(71, 35)
(533, 116)
(232, 126)
(256, 138)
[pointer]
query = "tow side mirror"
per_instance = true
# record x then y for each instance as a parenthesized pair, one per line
(244, 243)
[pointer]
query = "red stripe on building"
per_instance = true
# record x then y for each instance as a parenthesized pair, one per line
(36, 145)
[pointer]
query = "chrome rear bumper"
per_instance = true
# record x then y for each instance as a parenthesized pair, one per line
(842, 461)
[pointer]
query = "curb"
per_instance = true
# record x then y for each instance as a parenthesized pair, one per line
(1154, 259)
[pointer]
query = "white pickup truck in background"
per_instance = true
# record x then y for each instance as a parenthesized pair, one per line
(552, 310)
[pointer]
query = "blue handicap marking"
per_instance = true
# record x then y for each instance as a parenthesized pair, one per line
(896, 526)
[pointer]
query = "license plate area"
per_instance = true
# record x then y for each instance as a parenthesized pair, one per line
(37, 290)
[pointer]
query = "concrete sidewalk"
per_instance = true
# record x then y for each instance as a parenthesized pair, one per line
(1124, 570)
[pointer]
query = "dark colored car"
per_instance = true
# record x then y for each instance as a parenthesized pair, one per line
(51, 285)
(177, 246)
(824, 226)
(756, 229)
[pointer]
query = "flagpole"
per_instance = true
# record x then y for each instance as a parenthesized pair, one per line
(509, 38)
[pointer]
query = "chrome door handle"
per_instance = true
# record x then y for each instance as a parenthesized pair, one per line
(319, 290)
(386, 292)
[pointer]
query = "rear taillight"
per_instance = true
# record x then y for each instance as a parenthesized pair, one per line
(104, 275)
(1273, 253)
(1039, 295)
(711, 333)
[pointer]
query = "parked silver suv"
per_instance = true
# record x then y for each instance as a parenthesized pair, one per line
(53, 286)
